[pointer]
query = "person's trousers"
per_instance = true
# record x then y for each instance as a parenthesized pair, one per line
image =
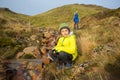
(62, 57)
(75, 25)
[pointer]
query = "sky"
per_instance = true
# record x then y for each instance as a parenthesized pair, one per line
(33, 7)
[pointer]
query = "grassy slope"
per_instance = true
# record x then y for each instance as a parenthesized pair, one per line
(104, 25)
(54, 17)
(11, 20)
(101, 29)
(98, 27)
(96, 30)
(11, 26)
(10, 15)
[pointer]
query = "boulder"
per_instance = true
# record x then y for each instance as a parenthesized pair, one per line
(19, 54)
(32, 50)
(47, 34)
(33, 37)
(45, 60)
(43, 50)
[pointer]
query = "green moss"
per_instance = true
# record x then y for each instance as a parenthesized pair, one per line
(28, 56)
(10, 53)
(5, 41)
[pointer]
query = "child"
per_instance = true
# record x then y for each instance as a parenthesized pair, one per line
(65, 52)
(76, 20)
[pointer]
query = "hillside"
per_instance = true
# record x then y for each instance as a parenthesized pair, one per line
(11, 19)
(7, 14)
(99, 50)
(105, 24)
(12, 27)
(54, 17)
(99, 42)
(97, 39)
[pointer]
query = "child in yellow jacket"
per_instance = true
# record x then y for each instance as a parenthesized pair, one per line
(65, 52)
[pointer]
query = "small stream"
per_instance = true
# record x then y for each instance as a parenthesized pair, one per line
(23, 69)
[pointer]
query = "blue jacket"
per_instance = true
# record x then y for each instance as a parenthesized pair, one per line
(76, 18)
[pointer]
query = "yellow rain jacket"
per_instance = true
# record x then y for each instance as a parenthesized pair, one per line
(67, 44)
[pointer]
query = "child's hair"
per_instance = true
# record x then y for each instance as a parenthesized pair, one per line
(64, 26)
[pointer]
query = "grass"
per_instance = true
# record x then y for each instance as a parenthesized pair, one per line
(96, 30)
(94, 34)
(54, 17)
(101, 32)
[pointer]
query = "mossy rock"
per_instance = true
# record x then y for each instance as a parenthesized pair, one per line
(28, 56)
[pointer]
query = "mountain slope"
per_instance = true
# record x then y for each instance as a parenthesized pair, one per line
(98, 38)
(12, 27)
(10, 19)
(104, 25)
(8, 14)
(99, 42)
(54, 17)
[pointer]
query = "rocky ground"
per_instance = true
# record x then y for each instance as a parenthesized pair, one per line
(32, 62)
(29, 62)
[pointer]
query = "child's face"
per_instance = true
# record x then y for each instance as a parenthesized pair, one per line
(64, 32)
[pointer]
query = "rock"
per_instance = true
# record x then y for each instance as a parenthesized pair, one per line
(43, 50)
(39, 77)
(34, 77)
(47, 34)
(43, 41)
(30, 66)
(19, 54)
(45, 60)
(31, 72)
(51, 42)
(27, 75)
(39, 67)
(24, 64)
(32, 50)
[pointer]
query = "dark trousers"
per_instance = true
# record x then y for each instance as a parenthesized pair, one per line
(75, 25)
(62, 57)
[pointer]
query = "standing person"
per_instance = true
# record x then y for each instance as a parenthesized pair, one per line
(76, 20)
(65, 52)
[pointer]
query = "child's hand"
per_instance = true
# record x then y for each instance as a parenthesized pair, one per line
(54, 51)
